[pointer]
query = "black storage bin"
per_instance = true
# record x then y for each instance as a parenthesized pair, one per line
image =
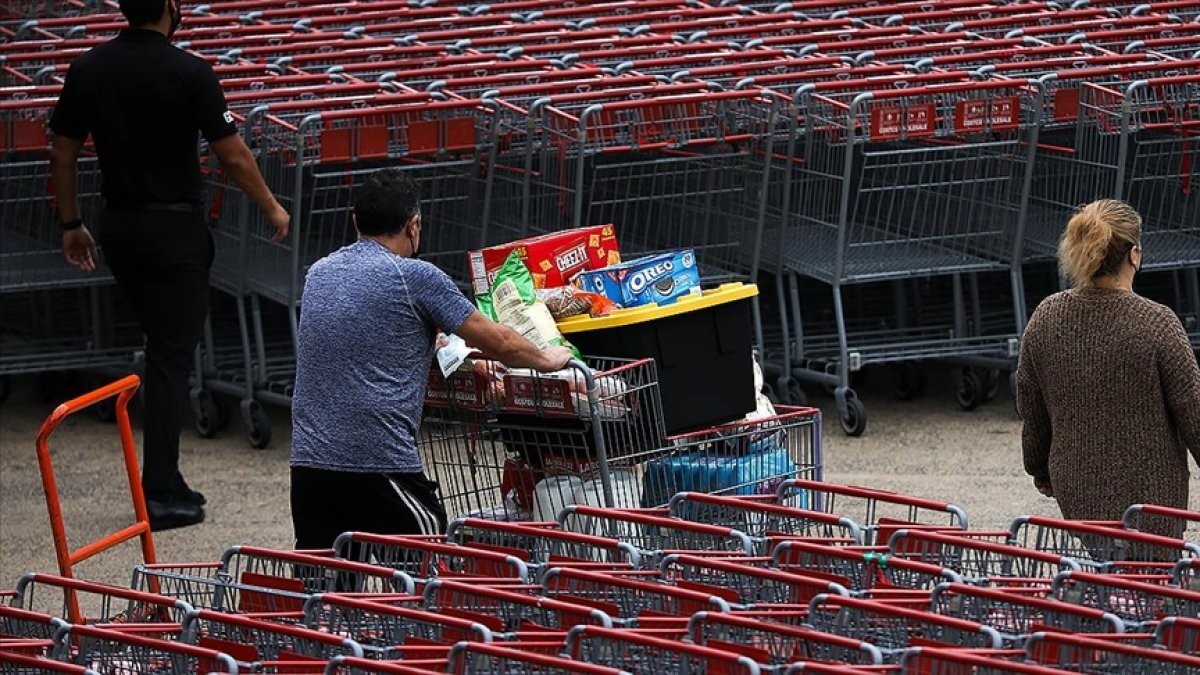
(703, 346)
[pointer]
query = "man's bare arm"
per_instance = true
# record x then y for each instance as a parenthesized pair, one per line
(513, 350)
(239, 162)
(64, 154)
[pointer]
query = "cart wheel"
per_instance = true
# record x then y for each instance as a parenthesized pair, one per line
(5, 387)
(792, 392)
(207, 414)
(908, 381)
(854, 419)
(970, 389)
(857, 379)
(258, 426)
(992, 379)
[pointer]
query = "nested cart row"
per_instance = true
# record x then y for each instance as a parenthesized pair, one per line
(687, 125)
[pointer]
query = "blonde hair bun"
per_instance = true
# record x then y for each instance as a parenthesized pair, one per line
(1097, 240)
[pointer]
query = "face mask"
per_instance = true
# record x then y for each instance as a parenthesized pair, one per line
(176, 19)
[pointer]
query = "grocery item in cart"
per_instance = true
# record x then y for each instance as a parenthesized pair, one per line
(658, 279)
(565, 391)
(552, 259)
(553, 494)
(704, 470)
(568, 301)
(513, 302)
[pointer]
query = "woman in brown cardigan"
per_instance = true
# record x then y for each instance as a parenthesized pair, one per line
(1107, 385)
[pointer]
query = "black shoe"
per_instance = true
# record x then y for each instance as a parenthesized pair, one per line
(168, 515)
(184, 492)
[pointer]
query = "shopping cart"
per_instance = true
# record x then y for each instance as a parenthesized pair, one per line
(894, 629)
(743, 459)
(653, 533)
(494, 659)
(638, 652)
(762, 518)
(27, 630)
(268, 582)
(776, 644)
(13, 663)
(1179, 634)
(1138, 604)
(349, 665)
(253, 641)
(1093, 655)
(111, 651)
(946, 661)
(863, 570)
(958, 146)
(91, 602)
(55, 317)
(632, 601)
(546, 544)
(208, 586)
(575, 433)
(512, 614)
(1016, 616)
(1154, 518)
(1185, 573)
(1105, 545)
(750, 583)
(879, 513)
(982, 560)
(428, 558)
(389, 631)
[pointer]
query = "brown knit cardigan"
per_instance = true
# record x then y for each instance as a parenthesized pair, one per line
(1109, 392)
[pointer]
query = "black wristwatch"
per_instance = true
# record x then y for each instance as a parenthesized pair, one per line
(69, 225)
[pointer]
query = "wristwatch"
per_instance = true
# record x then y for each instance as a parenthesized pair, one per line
(68, 225)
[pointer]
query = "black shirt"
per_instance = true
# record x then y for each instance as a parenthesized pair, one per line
(144, 101)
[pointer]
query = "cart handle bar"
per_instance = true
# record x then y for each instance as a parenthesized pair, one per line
(382, 608)
(322, 562)
(526, 599)
(887, 496)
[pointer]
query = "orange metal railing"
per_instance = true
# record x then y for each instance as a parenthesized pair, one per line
(123, 390)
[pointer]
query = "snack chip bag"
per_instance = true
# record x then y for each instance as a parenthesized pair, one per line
(512, 301)
(568, 301)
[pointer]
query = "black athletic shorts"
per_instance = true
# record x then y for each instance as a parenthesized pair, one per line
(327, 503)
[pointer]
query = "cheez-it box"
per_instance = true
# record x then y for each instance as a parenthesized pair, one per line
(553, 259)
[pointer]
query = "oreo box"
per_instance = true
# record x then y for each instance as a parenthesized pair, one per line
(653, 280)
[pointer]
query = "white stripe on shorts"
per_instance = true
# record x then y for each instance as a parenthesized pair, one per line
(425, 519)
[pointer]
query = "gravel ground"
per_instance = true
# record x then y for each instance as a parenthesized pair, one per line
(926, 447)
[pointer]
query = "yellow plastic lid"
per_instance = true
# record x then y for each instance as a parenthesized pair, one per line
(725, 293)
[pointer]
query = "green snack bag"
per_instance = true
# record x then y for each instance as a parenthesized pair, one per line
(512, 300)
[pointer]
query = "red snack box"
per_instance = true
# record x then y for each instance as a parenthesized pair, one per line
(553, 259)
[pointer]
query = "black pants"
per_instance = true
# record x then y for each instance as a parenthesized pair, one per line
(160, 259)
(328, 503)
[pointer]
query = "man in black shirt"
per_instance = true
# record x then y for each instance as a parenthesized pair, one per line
(144, 102)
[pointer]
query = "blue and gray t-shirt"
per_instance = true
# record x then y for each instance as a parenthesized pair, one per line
(368, 319)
